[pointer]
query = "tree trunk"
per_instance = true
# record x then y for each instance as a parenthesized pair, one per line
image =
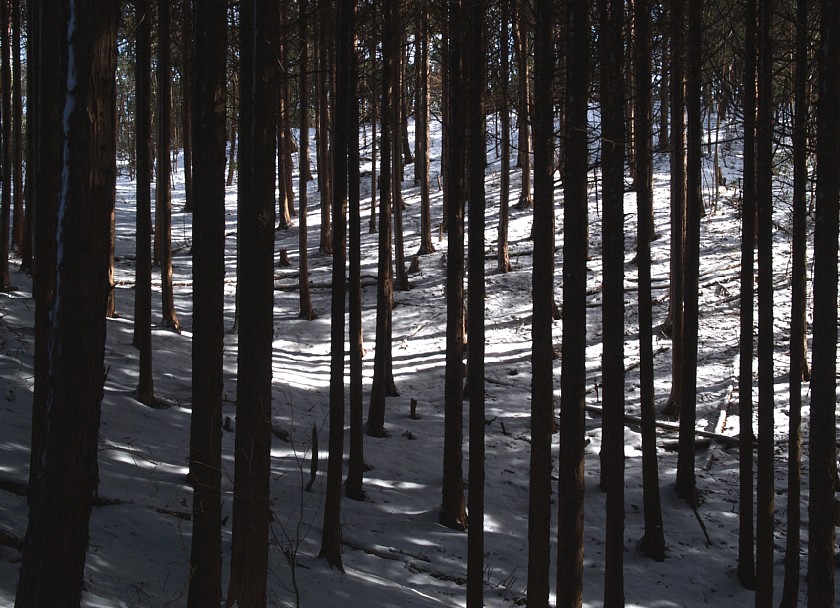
(284, 136)
(542, 360)
(453, 512)
(653, 541)
(686, 483)
(306, 311)
(19, 223)
(504, 170)
(421, 132)
(475, 358)
(520, 43)
(573, 349)
(798, 324)
(251, 508)
(383, 379)
(331, 541)
(765, 492)
(62, 490)
(356, 465)
(394, 27)
(674, 322)
(163, 191)
(823, 440)
(187, 76)
(323, 89)
(746, 529)
(611, 55)
(6, 140)
(208, 304)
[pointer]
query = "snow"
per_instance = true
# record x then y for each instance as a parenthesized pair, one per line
(395, 553)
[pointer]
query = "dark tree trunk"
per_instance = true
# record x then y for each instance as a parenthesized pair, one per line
(354, 485)
(542, 360)
(520, 38)
(284, 135)
(674, 322)
(653, 541)
(393, 37)
(62, 490)
(19, 223)
(49, 108)
(504, 170)
(208, 304)
(187, 76)
(374, 181)
(573, 350)
(746, 525)
(29, 191)
(331, 542)
(323, 89)
(6, 140)
(143, 276)
(823, 440)
(686, 483)
(611, 55)
(798, 324)
(251, 509)
(765, 492)
(383, 376)
(421, 131)
(453, 512)
(163, 192)
(475, 44)
(306, 311)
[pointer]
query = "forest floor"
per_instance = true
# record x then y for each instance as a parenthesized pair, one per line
(395, 552)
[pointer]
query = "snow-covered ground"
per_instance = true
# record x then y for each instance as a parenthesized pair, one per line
(395, 553)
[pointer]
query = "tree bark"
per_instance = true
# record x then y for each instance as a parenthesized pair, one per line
(62, 489)
(251, 509)
(422, 137)
(5, 140)
(208, 304)
(306, 311)
(187, 76)
(520, 41)
(504, 170)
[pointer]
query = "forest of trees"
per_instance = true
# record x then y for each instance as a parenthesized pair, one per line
(592, 91)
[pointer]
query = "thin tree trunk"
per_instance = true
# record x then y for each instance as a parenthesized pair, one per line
(19, 223)
(765, 492)
(453, 513)
(331, 541)
(5, 141)
(186, 100)
(798, 324)
(746, 529)
(394, 28)
(163, 193)
(520, 41)
(504, 111)
(653, 541)
(306, 311)
(421, 133)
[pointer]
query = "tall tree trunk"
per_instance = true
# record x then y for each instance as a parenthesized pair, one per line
(143, 276)
(475, 357)
(611, 55)
(29, 191)
(251, 508)
(284, 143)
(355, 470)
(746, 526)
(163, 191)
(48, 110)
(331, 541)
(383, 376)
(686, 483)
(6, 140)
(798, 324)
(520, 42)
(674, 323)
(62, 490)
(765, 492)
(823, 440)
(306, 311)
(421, 132)
(573, 349)
(323, 89)
(187, 76)
(394, 38)
(208, 304)
(542, 360)
(19, 223)
(504, 170)
(374, 181)
(653, 541)
(453, 513)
